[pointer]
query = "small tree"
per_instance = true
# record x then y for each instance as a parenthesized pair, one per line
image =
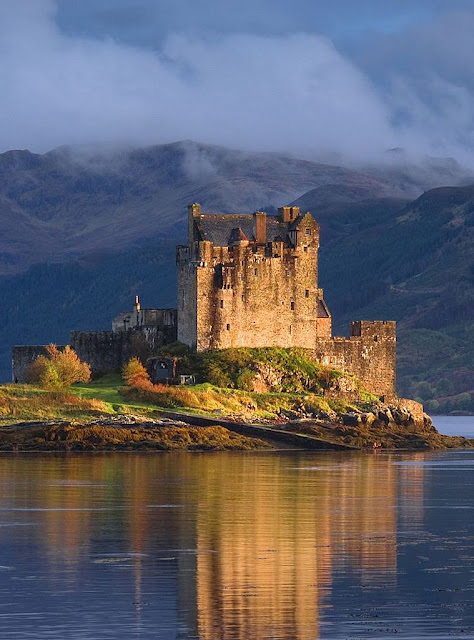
(135, 374)
(58, 369)
(43, 373)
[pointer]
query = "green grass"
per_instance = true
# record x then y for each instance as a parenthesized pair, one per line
(207, 399)
(263, 369)
(109, 396)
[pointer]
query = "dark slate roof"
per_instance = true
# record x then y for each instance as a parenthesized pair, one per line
(220, 228)
(295, 223)
(323, 311)
(236, 235)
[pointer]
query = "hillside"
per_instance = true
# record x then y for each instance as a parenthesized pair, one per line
(102, 230)
(423, 255)
(69, 204)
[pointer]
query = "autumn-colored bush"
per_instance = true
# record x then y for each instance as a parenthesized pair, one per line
(135, 374)
(58, 369)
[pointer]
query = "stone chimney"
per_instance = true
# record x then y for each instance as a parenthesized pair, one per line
(284, 213)
(260, 227)
(137, 304)
(294, 213)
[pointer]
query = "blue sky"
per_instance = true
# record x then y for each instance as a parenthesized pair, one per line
(340, 78)
(145, 22)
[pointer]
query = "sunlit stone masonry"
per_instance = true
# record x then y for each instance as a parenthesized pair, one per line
(244, 280)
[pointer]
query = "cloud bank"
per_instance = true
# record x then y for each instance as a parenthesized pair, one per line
(293, 92)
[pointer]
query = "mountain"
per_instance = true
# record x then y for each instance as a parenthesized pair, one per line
(71, 203)
(83, 231)
(422, 174)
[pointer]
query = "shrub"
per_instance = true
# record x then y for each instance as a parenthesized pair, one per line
(464, 400)
(217, 376)
(444, 387)
(58, 369)
(432, 405)
(43, 373)
(135, 374)
(246, 380)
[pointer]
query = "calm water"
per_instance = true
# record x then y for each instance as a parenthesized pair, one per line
(455, 425)
(257, 546)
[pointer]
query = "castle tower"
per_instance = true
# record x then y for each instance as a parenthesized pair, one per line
(250, 280)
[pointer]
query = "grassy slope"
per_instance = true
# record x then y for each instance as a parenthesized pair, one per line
(103, 397)
(87, 413)
(86, 403)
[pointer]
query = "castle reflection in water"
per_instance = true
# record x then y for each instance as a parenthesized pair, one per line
(238, 545)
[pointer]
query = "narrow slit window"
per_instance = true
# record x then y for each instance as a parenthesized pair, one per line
(292, 305)
(227, 327)
(306, 293)
(222, 304)
(255, 272)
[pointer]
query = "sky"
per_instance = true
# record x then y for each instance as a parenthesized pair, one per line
(346, 79)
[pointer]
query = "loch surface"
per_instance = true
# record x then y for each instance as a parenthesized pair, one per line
(455, 425)
(237, 546)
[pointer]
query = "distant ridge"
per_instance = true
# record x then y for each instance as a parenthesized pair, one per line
(69, 202)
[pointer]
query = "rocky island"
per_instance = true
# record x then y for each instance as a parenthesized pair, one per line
(285, 400)
(247, 360)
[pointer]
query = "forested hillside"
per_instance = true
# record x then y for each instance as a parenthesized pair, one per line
(413, 264)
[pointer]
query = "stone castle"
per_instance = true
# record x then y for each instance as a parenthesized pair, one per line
(244, 280)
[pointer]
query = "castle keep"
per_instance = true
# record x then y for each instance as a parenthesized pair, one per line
(252, 281)
(244, 280)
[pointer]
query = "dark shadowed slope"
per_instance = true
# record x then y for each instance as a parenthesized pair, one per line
(416, 267)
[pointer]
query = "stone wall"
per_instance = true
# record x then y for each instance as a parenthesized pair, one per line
(187, 296)
(369, 354)
(23, 356)
(106, 351)
(102, 350)
(161, 319)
